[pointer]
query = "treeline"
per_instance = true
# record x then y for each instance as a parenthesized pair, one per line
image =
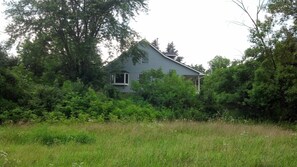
(263, 85)
(58, 74)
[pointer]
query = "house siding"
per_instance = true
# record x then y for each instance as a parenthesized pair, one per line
(155, 61)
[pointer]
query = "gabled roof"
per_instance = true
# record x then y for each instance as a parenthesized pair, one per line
(174, 61)
(166, 57)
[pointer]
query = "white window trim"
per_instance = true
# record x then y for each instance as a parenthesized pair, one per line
(126, 79)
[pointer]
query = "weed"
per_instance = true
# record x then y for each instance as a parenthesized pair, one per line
(49, 138)
(176, 143)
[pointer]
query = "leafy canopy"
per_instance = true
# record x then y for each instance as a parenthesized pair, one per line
(74, 28)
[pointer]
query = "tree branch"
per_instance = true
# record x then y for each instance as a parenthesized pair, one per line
(241, 5)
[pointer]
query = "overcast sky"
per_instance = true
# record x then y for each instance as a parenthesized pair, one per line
(200, 29)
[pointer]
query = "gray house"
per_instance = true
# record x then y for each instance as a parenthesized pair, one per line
(154, 59)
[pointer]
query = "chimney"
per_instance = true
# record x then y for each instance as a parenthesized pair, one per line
(172, 56)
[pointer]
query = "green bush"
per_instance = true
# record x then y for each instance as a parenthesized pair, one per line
(6, 105)
(128, 111)
(85, 104)
(73, 101)
(54, 117)
(226, 89)
(195, 115)
(45, 98)
(166, 90)
(14, 88)
(98, 103)
(17, 115)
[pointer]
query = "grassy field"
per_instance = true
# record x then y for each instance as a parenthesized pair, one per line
(147, 144)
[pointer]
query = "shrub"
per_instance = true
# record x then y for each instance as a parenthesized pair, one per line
(165, 90)
(195, 115)
(128, 111)
(54, 116)
(76, 102)
(49, 138)
(17, 115)
(45, 98)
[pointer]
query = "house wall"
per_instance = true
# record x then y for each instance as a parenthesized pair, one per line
(156, 61)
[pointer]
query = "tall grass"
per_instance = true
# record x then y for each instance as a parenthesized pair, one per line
(148, 144)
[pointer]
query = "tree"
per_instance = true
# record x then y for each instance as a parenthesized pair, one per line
(218, 62)
(156, 44)
(199, 68)
(226, 90)
(179, 59)
(34, 55)
(3, 57)
(274, 49)
(172, 52)
(170, 49)
(74, 28)
(259, 31)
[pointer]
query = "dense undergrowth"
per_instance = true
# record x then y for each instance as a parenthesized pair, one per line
(27, 99)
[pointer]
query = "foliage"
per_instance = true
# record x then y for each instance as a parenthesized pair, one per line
(126, 110)
(158, 89)
(218, 62)
(274, 93)
(15, 91)
(156, 44)
(275, 78)
(199, 68)
(10, 88)
(170, 49)
(135, 52)
(73, 101)
(34, 55)
(69, 31)
(3, 57)
(262, 85)
(227, 89)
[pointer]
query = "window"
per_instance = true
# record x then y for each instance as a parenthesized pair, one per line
(120, 79)
(145, 59)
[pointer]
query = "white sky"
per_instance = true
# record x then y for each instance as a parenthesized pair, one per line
(200, 29)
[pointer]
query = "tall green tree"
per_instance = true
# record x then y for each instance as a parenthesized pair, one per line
(74, 29)
(226, 90)
(218, 62)
(12, 85)
(274, 49)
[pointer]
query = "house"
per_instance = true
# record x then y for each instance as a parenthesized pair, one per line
(154, 59)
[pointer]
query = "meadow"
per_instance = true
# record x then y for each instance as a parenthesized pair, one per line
(147, 144)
